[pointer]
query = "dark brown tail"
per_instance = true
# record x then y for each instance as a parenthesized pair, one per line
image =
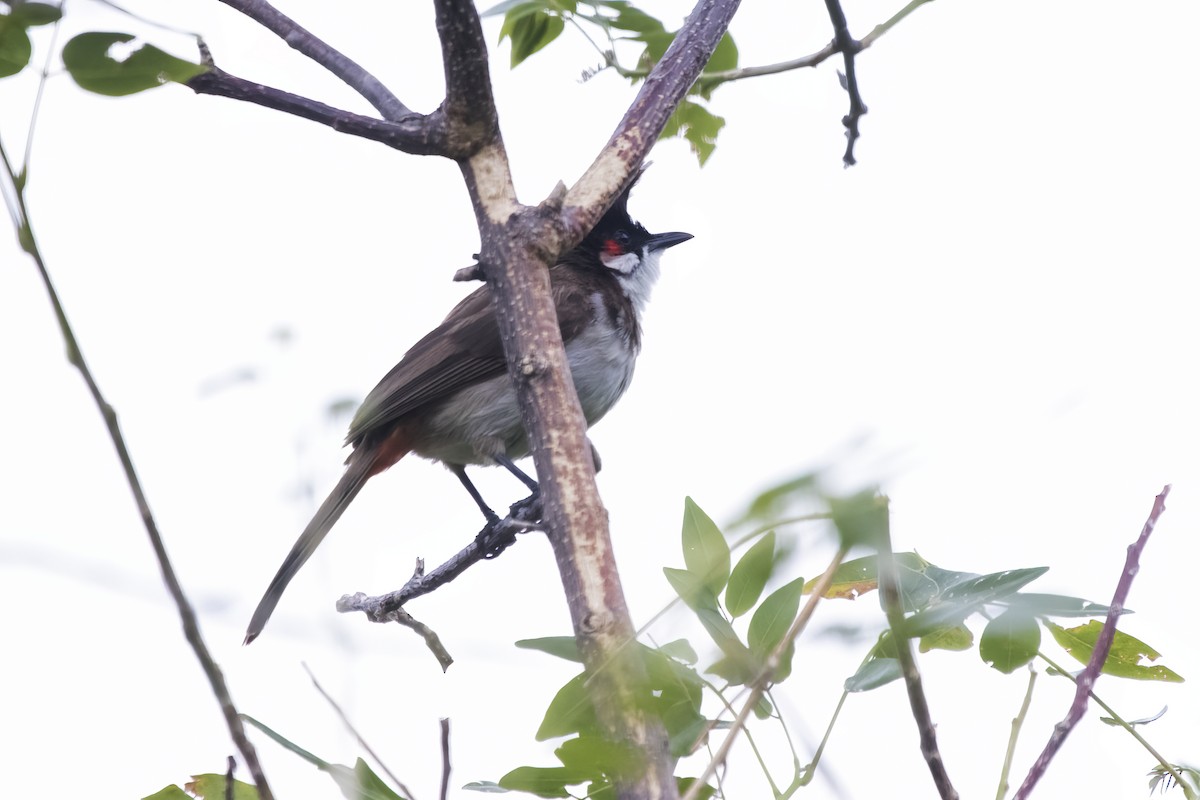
(352, 482)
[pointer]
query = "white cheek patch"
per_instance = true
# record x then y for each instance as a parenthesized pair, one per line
(625, 264)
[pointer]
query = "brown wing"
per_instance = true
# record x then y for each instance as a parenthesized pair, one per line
(462, 351)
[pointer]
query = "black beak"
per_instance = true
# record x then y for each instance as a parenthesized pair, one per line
(661, 241)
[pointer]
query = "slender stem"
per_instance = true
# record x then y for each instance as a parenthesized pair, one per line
(445, 792)
(811, 60)
(1087, 679)
(889, 590)
(1132, 731)
(1018, 721)
(764, 679)
(19, 211)
(749, 736)
(880, 30)
(354, 732)
(811, 770)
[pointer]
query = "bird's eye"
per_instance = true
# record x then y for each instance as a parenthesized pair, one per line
(622, 238)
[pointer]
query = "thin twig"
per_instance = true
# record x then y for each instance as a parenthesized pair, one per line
(811, 769)
(880, 30)
(380, 608)
(303, 41)
(445, 759)
(768, 673)
(712, 79)
(354, 731)
(191, 629)
(1018, 721)
(1132, 731)
(414, 134)
(1087, 679)
(849, 48)
(889, 592)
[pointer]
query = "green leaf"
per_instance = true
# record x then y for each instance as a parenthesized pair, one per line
(211, 786)
(366, 785)
(861, 518)
(1133, 723)
(775, 501)
(570, 711)
(87, 57)
(691, 589)
(598, 758)
(31, 14)
(530, 32)
(705, 550)
(1056, 605)
(542, 781)
(701, 600)
(955, 638)
(560, 646)
(1124, 659)
(698, 126)
(967, 595)
(874, 673)
(680, 650)
(1010, 641)
(725, 57)
(855, 578)
(770, 624)
(684, 784)
(486, 787)
(15, 47)
(629, 18)
(748, 578)
(509, 5)
(171, 792)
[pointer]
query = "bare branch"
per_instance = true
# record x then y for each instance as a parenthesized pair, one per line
(303, 41)
(1087, 679)
(445, 793)
(889, 593)
(483, 547)
(414, 134)
(191, 628)
(849, 47)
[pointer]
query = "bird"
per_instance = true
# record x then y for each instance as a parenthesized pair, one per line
(450, 399)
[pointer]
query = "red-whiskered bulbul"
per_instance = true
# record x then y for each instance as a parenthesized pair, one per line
(450, 398)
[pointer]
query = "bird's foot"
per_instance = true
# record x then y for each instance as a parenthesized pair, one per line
(495, 537)
(529, 509)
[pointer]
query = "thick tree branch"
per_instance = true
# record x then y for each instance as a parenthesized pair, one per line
(1087, 679)
(303, 41)
(469, 107)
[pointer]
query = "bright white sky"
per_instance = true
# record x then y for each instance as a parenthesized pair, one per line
(1000, 300)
